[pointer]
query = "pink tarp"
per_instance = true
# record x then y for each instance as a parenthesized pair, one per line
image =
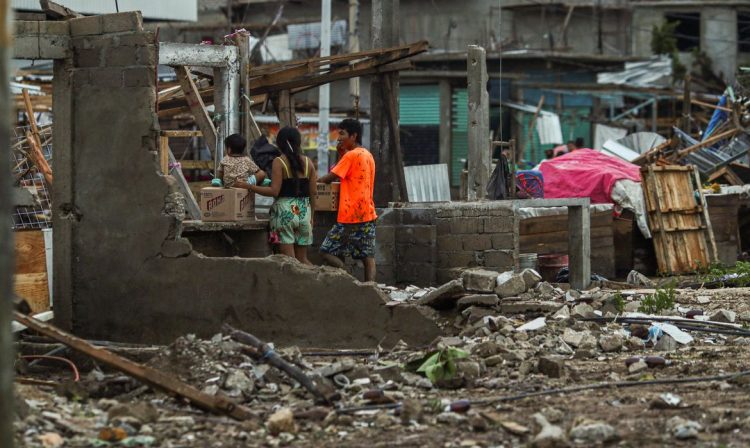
(585, 173)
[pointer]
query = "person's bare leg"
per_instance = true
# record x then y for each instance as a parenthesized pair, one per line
(286, 249)
(300, 252)
(333, 260)
(370, 269)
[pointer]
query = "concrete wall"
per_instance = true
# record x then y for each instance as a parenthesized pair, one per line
(718, 37)
(122, 270)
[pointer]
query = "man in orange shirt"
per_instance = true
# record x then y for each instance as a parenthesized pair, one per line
(354, 231)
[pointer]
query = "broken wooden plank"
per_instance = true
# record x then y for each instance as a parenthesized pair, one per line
(181, 133)
(197, 107)
(266, 352)
(197, 164)
(37, 157)
(314, 73)
(708, 142)
(145, 374)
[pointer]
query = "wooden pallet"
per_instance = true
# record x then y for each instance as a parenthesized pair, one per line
(30, 279)
(678, 218)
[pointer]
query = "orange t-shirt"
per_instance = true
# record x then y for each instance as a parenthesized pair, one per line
(357, 172)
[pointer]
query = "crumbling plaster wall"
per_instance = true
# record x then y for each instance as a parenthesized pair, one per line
(122, 272)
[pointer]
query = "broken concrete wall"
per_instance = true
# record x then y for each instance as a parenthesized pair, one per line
(122, 270)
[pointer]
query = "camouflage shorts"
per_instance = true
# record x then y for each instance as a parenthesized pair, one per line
(353, 240)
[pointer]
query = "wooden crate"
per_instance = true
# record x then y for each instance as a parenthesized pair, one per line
(30, 279)
(678, 218)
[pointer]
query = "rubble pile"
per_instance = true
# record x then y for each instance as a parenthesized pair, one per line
(511, 336)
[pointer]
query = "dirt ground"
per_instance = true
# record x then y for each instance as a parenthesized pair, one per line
(502, 363)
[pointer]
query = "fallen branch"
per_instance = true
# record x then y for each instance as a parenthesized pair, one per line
(142, 373)
(265, 353)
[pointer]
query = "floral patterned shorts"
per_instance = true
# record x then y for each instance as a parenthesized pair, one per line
(354, 240)
(290, 220)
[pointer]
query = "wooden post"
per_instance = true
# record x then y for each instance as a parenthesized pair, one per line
(7, 414)
(446, 128)
(385, 25)
(248, 128)
(284, 105)
(686, 106)
(479, 124)
(579, 246)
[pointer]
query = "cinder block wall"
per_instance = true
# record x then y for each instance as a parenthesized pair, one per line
(429, 244)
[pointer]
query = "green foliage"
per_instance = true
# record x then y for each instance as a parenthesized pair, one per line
(661, 300)
(619, 302)
(716, 271)
(663, 39)
(441, 365)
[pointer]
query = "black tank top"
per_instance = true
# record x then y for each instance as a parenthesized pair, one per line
(294, 187)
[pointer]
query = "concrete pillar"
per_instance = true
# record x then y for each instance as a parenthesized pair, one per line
(7, 415)
(479, 124)
(719, 40)
(385, 23)
(446, 113)
(65, 215)
(579, 246)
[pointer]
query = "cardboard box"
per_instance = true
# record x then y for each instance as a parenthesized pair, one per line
(327, 197)
(227, 204)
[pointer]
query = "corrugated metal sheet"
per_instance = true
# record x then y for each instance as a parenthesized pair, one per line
(459, 134)
(184, 10)
(419, 105)
(427, 183)
(306, 36)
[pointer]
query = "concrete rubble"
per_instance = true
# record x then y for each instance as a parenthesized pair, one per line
(385, 399)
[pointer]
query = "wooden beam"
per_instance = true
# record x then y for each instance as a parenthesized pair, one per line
(181, 133)
(197, 164)
(708, 142)
(36, 156)
(283, 102)
(142, 373)
(710, 106)
(197, 107)
(312, 73)
(164, 155)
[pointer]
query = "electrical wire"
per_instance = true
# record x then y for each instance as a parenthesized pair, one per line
(76, 374)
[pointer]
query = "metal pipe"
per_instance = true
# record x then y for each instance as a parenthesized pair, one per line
(324, 91)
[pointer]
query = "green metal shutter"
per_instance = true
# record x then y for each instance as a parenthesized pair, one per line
(459, 134)
(419, 105)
